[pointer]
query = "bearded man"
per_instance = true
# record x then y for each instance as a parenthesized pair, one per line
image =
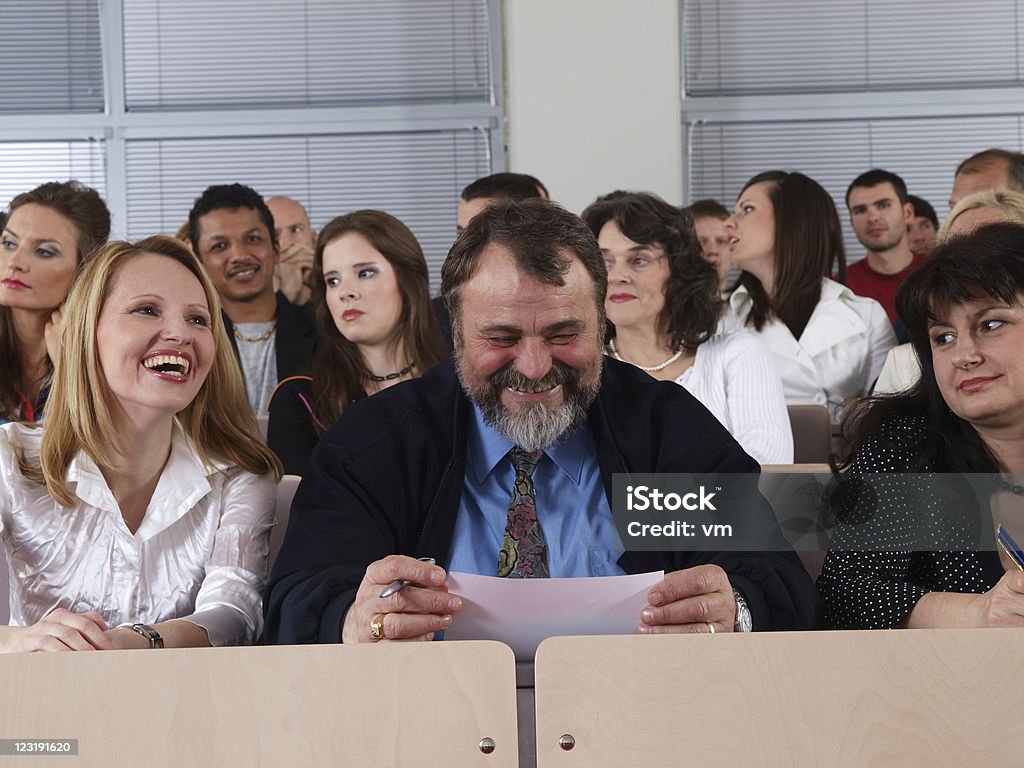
(502, 463)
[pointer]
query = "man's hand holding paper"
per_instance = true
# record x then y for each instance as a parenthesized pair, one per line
(698, 599)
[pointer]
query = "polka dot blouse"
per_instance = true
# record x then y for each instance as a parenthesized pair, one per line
(897, 537)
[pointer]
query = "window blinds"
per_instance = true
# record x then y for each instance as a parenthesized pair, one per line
(197, 54)
(50, 58)
(745, 47)
(26, 165)
(416, 176)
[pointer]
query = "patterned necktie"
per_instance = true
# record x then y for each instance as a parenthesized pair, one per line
(524, 554)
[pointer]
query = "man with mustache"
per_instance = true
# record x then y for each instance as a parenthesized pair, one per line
(232, 231)
(502, 464)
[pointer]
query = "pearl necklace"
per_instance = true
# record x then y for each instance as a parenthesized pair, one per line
(648, 368)
(256, 339)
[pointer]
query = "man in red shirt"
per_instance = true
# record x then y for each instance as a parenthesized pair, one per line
(880, 213)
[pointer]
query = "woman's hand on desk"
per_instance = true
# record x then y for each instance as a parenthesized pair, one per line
(415, 612)
(1003, 605)
(690, 600)
(59, 630)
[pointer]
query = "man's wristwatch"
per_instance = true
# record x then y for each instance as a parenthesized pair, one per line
(155, 641)
(743, 621)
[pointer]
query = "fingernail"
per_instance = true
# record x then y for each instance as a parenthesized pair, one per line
(643, 629)
(430, 636)
(655, 598)
(446, 621)
(454, 604)
(436, 577)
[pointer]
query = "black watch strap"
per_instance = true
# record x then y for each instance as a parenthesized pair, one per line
(155, 641)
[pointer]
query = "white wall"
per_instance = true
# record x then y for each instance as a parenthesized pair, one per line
(593, 96)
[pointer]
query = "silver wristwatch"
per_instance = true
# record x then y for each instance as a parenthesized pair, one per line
(743, 621)
(155, 640)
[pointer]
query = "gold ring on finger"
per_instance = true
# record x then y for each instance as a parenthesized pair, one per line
(377, 626)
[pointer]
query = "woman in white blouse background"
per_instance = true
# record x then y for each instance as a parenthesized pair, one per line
(828, 343)
(664, 305)
(139, 514)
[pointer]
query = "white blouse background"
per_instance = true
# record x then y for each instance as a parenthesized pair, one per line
(200, 553)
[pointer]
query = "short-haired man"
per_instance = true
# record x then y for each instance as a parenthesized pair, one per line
(988, 169)
(489, 189)
(296, 241)
(709, 223)
(923, 226)
(879, 214)
(476, 196)
(232, 231)
(502, 464)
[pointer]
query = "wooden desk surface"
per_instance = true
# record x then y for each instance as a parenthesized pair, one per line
(885, 698)
(419, 704)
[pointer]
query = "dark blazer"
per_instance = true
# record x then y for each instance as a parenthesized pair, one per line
(444, 321)
(296, 340)
(388, 478)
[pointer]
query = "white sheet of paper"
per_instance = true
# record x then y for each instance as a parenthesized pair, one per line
(522, 612)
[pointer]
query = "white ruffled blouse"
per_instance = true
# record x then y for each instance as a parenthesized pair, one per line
(837, 357)
(200, 553)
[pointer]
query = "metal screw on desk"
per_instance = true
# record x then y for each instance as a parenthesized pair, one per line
(487, 745)
(567, 742)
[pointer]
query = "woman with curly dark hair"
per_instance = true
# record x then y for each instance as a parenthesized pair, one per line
(371, 290)
(663, 308)
(937, 468)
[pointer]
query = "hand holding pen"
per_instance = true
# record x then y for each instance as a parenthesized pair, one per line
(398, 585)
(1009, 546)
(400, 598)
(1003, 605)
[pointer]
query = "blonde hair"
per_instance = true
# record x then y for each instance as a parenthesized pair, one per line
(1007, 202)
(219, 419)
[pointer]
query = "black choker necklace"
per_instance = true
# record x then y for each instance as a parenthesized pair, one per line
(1016, 490)
(395, 375)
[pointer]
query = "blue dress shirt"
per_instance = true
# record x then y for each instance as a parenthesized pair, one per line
(571, 506)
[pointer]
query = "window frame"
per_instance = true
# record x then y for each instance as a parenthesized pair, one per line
(116, 126)
(874, 105)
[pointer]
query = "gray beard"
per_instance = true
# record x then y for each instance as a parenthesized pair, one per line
(535, 427)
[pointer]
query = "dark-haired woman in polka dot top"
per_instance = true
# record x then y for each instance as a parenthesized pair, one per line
(917, 550)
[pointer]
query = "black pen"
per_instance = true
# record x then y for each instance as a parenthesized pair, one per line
(398, 585)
